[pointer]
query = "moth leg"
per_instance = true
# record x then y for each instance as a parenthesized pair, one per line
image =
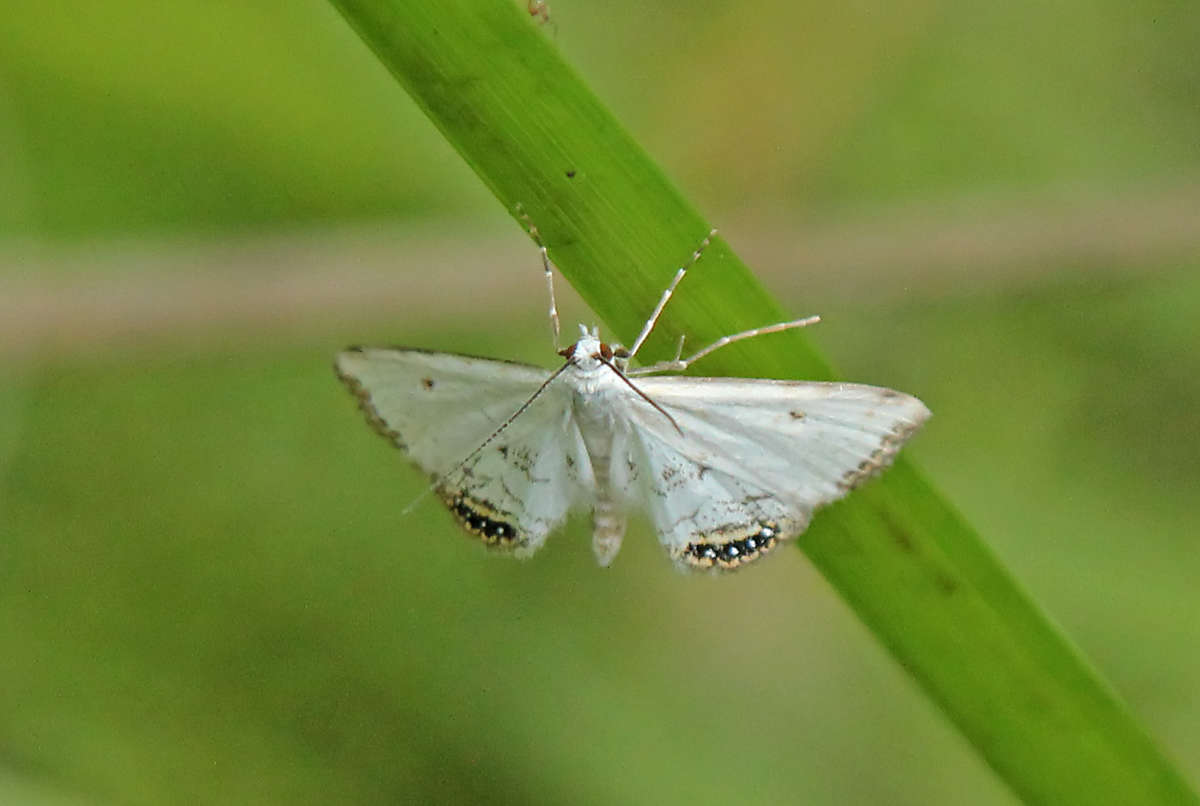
(547, 266)
(680, 364)
(666, 295)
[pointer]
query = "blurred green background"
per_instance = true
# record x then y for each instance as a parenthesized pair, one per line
(208, 590)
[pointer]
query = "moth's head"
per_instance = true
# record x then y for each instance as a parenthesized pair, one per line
(590, 354)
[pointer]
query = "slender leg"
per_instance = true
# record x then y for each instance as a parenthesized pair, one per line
(547, 267)
(658, 309)
(679, 365)
(666, 296)
(549, 274)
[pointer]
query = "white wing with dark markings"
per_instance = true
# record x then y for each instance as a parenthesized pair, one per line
(442, 408)
(756, 457)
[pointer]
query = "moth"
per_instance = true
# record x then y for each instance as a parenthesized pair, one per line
(727, 469)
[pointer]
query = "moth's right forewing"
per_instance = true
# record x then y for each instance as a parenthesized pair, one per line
(443, 409)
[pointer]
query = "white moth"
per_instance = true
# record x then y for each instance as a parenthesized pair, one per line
(726, 468)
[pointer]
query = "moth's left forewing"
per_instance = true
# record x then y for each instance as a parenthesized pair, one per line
(763, 455)
(824, 438)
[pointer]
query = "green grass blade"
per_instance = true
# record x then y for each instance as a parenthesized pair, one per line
(917, 575)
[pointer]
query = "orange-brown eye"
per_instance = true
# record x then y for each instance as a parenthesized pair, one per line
(567, 352)
(605, 351)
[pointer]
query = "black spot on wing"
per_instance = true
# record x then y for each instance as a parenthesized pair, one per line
(495, 527)
(732, 548)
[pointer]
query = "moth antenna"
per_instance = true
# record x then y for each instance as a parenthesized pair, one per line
(641, 394)
(413, 504)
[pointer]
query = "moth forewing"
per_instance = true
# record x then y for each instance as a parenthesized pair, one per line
(757, 457)
(431, 403)
(441, 408)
